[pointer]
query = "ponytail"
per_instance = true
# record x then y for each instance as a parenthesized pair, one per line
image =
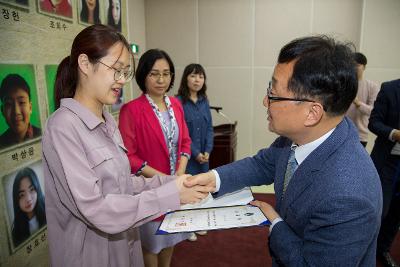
(66, 80)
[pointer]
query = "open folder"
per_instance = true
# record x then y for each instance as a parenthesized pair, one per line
(229, 211)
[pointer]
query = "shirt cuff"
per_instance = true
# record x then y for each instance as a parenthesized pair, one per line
(217, 181)
(391, 135)
(279, 219)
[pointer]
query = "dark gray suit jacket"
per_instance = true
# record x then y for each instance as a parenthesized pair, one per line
(385, 117)
(332, 206)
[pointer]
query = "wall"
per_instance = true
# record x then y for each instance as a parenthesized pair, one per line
(238, 42)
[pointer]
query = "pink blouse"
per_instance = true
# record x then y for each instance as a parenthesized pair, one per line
(93, 203)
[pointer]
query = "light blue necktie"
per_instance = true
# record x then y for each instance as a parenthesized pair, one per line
(290, 169)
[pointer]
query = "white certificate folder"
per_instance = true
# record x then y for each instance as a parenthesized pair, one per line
(206, 219)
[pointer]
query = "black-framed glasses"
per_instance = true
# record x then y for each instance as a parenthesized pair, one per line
(158, 75)
(278, 98)
(120, 73)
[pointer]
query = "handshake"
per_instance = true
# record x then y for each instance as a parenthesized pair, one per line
(193, 189)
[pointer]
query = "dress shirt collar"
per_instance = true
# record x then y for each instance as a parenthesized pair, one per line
(87, 116)
(302, 152)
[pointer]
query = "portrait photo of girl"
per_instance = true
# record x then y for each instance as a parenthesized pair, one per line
(25, 203)
(114, 14)
(28, 201)
(89, 12)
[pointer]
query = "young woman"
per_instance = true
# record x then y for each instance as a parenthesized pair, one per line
(154, 131)
(93, 203)
(90, 11)
(28, 200)
(114, 14)
(192, 94)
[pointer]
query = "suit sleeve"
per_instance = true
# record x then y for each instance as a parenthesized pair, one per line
(127, 129)
(338, 234)
(210, 131)
(377, 120)
(251, 171)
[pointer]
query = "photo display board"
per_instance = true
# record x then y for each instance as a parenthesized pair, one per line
(36, 36)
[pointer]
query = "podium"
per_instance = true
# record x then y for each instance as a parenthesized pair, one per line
(225, 141)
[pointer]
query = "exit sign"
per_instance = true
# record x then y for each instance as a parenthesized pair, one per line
(135, 48)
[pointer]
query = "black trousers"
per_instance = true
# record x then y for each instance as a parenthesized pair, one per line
(390, 180)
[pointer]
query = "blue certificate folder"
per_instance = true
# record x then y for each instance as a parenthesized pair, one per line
(207, 219)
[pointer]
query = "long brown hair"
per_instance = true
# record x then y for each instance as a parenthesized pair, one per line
(94, 41)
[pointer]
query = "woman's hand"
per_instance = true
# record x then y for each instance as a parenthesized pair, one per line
(202, 158)
(179, 173)
(190, 195)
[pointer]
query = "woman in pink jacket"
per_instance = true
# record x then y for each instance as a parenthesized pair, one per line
(154, 131)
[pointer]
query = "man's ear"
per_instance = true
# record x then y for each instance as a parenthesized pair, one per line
(315, 113)
(84, 63)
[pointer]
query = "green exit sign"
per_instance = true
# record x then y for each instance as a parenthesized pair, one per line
(135, 48)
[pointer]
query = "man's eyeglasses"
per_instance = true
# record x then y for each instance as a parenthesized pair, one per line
(158, 75)
(278, 98)
(120, 73)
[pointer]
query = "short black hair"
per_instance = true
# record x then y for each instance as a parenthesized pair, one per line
(324, 69)
(10, 83)
(359, 58)
(146, 63)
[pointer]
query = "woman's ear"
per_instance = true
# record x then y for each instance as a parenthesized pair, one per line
(84, 63)
(315, 114)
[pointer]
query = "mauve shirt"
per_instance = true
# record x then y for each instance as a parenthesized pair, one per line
(93, 203)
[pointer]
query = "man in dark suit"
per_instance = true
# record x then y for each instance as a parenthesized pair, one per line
(385, 123)
(327, 189)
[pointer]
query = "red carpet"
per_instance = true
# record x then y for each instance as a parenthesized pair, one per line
(245, 247)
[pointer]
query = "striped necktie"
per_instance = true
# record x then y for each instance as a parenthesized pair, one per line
(290, 169)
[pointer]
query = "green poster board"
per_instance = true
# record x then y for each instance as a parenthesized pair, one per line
(50, 73)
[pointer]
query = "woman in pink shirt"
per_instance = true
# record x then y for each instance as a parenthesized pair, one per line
(93, 203)
(154, 130)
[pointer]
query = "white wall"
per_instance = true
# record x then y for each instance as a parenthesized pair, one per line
(238, 41)
(136, 34)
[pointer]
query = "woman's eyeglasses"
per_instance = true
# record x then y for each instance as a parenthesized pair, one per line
(158, 75)
(121, 73)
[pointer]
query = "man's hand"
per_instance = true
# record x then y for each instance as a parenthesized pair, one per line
(190, 195)
(267, 209)
(396, 136)
(204, 179)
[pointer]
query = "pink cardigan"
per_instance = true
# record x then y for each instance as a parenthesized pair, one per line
(143, 136)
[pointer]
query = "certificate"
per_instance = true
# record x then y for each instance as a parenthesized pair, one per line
(212, 219)
(241, 197)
